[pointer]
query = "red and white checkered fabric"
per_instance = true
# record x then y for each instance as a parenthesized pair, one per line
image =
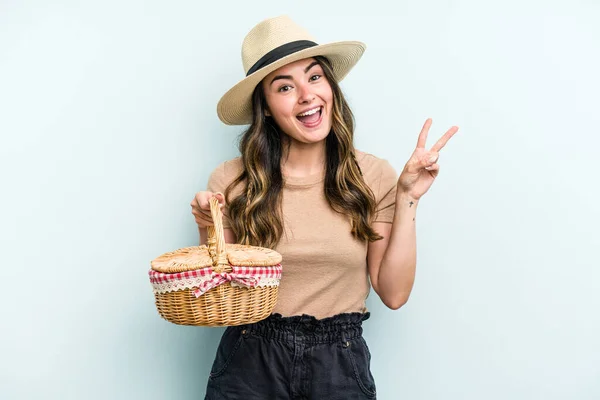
(205, 279)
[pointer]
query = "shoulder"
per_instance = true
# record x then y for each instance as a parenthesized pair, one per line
(382, 178)
(374, 168)
(228, 169)
(224, 174)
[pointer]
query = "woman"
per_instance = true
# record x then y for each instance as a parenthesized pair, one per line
(341, 218)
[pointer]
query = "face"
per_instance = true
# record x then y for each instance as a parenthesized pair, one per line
(300, 100)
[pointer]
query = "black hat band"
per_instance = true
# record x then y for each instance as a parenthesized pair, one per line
(280, 52)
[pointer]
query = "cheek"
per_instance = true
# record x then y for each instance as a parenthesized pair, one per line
(279, 114)
(327, 95)
(283, 109)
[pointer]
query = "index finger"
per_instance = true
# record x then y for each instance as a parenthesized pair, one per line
(444, 139)
(220, 196)
(423, 135)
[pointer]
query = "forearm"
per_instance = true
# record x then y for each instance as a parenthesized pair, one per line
(397, 270)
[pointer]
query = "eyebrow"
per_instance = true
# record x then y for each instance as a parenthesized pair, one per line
(290, 77)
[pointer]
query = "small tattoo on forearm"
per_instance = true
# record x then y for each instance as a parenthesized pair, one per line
(411, 203)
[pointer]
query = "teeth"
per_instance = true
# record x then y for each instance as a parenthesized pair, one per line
(309, 112)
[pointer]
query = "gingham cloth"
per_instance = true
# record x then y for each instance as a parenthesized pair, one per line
(244, 276)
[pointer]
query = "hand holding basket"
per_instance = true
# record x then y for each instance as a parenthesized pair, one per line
(217, 284)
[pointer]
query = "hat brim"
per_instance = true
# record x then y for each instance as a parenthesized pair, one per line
(235, 107)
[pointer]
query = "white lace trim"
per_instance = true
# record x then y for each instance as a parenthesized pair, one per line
(193, 283)
(261, 282)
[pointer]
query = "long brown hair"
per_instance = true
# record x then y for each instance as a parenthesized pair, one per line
(256, 214)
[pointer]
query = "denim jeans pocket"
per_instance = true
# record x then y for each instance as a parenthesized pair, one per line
(360, 358)
(230, 343)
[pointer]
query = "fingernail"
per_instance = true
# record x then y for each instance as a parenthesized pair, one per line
(432, 158)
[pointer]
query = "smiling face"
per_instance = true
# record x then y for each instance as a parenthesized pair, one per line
(300, 100)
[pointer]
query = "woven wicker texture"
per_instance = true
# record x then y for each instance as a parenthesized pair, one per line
(251, 256)
(224, 305)
(186, 259)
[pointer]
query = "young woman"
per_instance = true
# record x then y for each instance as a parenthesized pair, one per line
(341, 218)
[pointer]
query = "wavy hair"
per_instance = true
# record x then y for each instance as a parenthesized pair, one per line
(256, 214)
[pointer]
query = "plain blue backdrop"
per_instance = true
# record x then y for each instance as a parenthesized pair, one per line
(108, 127)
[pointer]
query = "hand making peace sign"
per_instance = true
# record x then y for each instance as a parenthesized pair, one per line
(421, 169)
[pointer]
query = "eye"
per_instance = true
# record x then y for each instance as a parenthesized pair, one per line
(284, 88)
(315, 77)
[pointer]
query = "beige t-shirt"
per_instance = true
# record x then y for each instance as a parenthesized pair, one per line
(324, 267)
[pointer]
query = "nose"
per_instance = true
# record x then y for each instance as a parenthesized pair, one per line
(305, 94)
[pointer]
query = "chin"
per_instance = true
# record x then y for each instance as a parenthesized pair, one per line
(312, 136)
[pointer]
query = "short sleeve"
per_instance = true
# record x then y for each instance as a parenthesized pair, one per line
(218, 182)
(384, 189)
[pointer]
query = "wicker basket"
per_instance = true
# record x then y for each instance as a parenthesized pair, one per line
(217, 284)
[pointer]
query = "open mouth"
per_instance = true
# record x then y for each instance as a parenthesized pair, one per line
(311, 118)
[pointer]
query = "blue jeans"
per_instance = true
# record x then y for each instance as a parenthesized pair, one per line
(296, 357)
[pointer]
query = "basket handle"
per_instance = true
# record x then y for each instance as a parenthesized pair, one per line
(216, 236)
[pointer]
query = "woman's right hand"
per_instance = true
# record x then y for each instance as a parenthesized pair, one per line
(201, 207)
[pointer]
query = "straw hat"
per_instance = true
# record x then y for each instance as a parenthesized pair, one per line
(272, 44)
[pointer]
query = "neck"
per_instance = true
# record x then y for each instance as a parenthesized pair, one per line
(303, 159)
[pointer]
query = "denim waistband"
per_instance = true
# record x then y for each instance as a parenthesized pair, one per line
(309, 329)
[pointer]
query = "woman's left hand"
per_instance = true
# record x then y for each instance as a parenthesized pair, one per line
(422, 168)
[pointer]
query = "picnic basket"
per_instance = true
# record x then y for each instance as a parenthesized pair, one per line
(217, 284)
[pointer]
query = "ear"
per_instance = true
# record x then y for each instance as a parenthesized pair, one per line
(267, 112)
